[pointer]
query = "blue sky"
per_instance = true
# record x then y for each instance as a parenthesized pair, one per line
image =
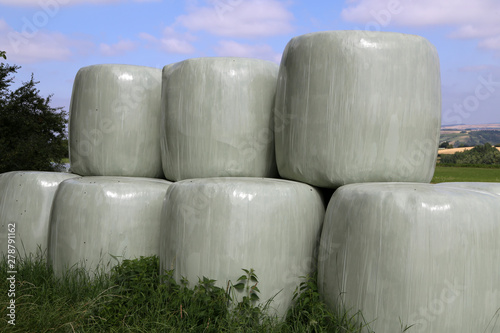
(55, 38)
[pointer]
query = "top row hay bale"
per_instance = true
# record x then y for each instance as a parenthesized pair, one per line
(114, 117)
(357, 106)
(350, 107)
(217, 118)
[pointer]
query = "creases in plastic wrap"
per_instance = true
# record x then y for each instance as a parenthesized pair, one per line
(479, 186)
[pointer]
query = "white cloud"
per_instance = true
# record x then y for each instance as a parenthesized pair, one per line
(174, 45)
(476, 31)
(472, 19)
(230, 48)
(423, 12)
(171, 41)
(31, 46)
(119, 48)
(492, 43)
(239, 18)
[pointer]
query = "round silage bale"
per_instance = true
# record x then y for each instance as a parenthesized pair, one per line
(114, 121)
(98, 221)
(488, 187)
(357, 106)
(215, 227)
(25, 203)
(217, 118)
(408, 254)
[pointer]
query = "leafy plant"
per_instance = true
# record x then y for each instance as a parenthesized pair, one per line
(134, 296)
(248, 283)
(245, 312)
(310, 314)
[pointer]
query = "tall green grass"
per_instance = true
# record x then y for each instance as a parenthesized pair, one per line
(133, 297)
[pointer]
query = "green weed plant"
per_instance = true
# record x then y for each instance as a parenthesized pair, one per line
(134, 297)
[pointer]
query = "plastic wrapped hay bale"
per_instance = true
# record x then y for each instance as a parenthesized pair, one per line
(96, 219)
(217, 118)
(216, 227)
(413, 254)
(488, 187)
(358, 106)
(25, 203)
(114, 121)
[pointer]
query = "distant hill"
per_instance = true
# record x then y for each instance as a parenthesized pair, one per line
(464, 127)
(471, 135)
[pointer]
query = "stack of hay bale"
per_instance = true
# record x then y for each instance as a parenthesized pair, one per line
(248, 148)
(109, 206)
(225, 212)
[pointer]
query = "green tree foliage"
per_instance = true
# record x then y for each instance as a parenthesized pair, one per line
(32, 134)
(445, 144)
(482, 154)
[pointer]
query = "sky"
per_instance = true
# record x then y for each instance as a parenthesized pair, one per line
(53, 39)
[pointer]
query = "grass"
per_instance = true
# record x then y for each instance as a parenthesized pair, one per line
(465, 174)
(131, 298)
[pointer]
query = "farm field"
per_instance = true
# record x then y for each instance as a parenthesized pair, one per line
(456, 150)
(471, 135)
(461, 174)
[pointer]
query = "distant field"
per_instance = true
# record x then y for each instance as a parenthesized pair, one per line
(462, 127)
(471, 136)
(456, 150)
(458, 174)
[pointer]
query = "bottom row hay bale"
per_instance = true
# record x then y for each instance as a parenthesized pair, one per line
(96, 222)
(417, 255)
(25, 203)
(216, 227)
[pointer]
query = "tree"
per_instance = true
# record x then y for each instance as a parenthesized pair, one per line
(445, 144)
(481, 154)
(32, 134)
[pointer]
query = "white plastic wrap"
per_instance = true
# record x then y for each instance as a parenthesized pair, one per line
(216, 227)
(358, 106)
(217, 118)
(416, 254)
(488, 187)
(96, 218)
(25, 203)
(114, 121)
